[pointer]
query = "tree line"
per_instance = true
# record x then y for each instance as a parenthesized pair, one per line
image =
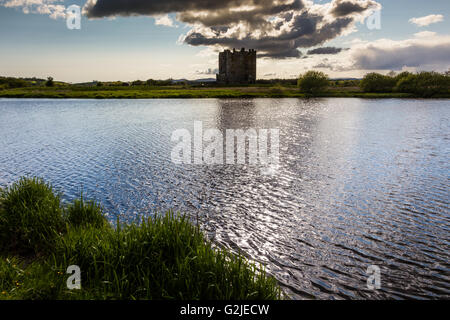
(422, 84)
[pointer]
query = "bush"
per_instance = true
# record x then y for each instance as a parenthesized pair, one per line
(49, 82)
(12, 83)
(83, 213)
(30, 217)
(402, 75)
(424, 84)
(375, 82)
(407, 84)
(313, 82)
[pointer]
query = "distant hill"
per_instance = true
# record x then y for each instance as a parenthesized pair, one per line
(194, 81)
(342, 79)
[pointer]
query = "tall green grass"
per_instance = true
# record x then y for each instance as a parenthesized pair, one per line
(163, 257)
(30, 218)
(81, 213)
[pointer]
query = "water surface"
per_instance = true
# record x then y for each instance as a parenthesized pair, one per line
(360, 182)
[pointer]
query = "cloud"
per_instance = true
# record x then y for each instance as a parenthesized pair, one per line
(208, 71)
(164, 20)
(276, 29)
(326, 50)
(427, 20)
(342, 8)
(431, 52)
(424, 34)
(47, 7)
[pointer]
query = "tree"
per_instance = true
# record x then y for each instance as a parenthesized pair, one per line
(406, 84)
(49, 82)
(402, 75)
(391, 74)
(12, 83)
(376, 82)
(137, 83)
(424, 84)
(313, 82)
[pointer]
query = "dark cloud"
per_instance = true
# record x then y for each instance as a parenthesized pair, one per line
(343, 8)
(218, 9)
(276, 29)
(326, 50)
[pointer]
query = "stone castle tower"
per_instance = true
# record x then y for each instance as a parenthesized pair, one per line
(237, 66)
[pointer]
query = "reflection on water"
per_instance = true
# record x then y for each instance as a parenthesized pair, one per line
(360, 182)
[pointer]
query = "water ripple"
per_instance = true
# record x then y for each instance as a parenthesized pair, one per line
(360, 183)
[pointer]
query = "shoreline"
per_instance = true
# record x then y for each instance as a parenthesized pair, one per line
(198, 93)
(164, 256)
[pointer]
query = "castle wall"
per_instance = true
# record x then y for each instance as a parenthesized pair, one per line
(237, 66)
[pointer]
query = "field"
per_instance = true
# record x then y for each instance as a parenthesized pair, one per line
(182, 91)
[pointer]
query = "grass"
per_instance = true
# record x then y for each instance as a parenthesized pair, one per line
(31, 217)
(177, 91)
(83, 213)
(163, 257)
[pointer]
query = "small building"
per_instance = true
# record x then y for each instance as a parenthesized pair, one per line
(237, 67)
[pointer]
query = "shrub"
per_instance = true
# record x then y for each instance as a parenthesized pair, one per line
(30, 217)
(375, 82)
(424, 84)
(407, 84)
(83, 213)
(49, 82)
(429, 84)
(12, 83)
(313, 82)
(402, 75)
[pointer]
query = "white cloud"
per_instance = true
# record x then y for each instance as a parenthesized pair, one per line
(427, 20)
(164, 20)
(424, 34)
(47, 7)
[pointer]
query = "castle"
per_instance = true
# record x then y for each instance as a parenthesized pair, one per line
(237, 67)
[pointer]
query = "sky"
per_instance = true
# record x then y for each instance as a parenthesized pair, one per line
(160, 39)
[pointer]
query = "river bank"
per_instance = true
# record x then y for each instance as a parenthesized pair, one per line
(165, 256)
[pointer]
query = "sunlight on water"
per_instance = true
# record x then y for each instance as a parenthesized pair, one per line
(360, 182)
